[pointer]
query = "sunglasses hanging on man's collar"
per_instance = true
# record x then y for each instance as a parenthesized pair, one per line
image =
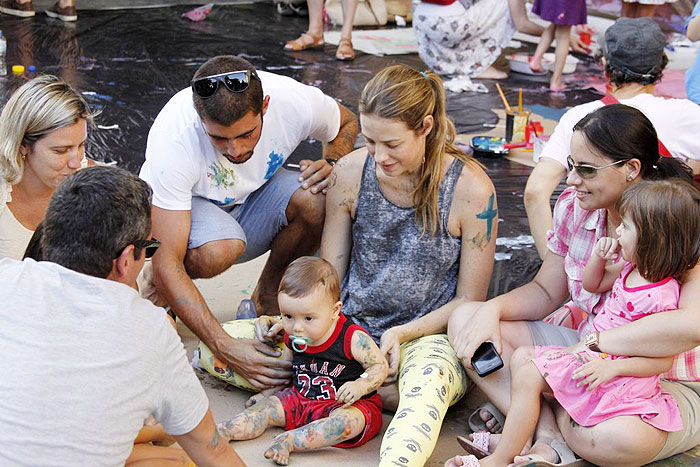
(235, 81)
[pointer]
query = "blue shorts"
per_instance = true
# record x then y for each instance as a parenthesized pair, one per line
(257, 221)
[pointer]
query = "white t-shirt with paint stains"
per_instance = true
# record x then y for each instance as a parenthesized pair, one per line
(181, 162)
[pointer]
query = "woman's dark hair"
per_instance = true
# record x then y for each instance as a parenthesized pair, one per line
(621, 132)
(618, 77)
(666, 215)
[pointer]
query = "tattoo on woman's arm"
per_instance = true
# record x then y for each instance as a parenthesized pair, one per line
(489, 214)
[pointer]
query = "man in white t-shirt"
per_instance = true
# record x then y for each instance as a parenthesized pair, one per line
(634, 59)
(85, 359)
(220, 195)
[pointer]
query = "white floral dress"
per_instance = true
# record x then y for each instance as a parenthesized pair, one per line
(458, 40)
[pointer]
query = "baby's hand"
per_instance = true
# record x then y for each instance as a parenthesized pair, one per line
(595, 372)
(607, 248)
(350, 392)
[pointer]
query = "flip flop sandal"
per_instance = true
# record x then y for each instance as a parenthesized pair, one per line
(477, 424)
(345, 52)
(469, 461)
(303, 42)
(479, 446)
(567, 458)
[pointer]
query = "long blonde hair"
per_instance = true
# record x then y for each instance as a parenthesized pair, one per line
(401, 93)
(38, 107)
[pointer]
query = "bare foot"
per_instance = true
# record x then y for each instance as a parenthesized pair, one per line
(227, 430)
(541, 448)
(280, 449)
(492, 73)
(557, 86)
(491, 423)
(535, 64)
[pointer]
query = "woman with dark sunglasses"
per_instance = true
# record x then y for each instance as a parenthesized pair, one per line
(611, 149)
(633, 58)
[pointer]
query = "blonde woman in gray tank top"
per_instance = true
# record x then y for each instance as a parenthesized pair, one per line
(411, 228)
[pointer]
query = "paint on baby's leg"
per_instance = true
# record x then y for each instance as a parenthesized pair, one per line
(280, 449)
(253, 421)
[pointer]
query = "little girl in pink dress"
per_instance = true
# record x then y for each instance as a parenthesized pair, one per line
(659, 240)
(622, 395)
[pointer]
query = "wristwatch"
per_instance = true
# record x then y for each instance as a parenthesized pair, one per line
(592, 340)
(331, 161)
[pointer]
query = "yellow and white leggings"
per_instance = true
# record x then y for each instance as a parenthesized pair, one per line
(431, 379)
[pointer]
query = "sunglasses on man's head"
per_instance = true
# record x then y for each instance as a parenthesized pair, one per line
(588, 171)
(235, 81)
(148, 246)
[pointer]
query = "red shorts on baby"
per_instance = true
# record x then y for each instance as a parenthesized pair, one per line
(300, 411)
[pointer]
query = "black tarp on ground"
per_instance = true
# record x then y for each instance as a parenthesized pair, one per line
(128, 63)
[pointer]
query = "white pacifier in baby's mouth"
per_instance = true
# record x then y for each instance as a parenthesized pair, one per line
(300, 344)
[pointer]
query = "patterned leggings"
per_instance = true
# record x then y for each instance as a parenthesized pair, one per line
(431, 379)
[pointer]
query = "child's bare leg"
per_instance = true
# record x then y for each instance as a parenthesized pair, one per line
(526, 390)
(522, 22)
(542, 46)
(545, 433)
(563, 35)
(341, 425)
(254, 421)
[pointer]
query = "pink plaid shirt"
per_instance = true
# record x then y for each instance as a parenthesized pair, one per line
(574, 234)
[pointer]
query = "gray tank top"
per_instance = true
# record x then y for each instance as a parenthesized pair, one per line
(395, 274)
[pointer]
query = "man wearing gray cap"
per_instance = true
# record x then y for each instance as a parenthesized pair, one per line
(634, 59)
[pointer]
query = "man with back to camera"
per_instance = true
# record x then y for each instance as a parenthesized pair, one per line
(213, 158)
(86, 359)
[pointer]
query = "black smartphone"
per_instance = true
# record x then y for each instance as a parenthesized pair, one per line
(486, 360)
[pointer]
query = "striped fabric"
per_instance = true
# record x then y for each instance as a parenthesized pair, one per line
(686, 367)
(574, 233)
